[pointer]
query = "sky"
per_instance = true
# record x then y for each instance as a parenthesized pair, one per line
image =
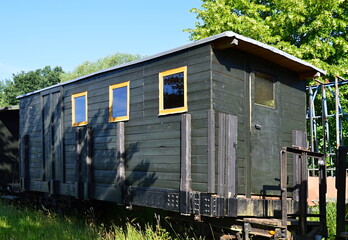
(66, 33)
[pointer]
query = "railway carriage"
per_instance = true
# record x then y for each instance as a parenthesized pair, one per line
(195, 130)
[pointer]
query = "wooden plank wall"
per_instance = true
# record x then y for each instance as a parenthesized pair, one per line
(152, 143)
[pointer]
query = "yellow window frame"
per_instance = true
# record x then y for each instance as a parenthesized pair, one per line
(76, 95)
(111, 102)
(182, 109)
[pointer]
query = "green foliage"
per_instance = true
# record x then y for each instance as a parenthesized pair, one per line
(330, 218)
(102, 63)
(26, 82)
(313, 30)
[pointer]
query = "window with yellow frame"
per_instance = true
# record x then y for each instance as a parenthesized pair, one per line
(119, 102)
(79, 109)
(173, 91)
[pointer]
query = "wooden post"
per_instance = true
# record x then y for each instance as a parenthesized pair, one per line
(322, 195)
(89, 163)
(221, 154)
(121, 158)
(231, 156)
(283, 187)
(211, 151)
(78, 188)
(303, 194)
(299, 139)
(185, 180)
(341, 189)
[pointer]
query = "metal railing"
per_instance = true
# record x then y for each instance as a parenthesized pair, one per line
(325, 120)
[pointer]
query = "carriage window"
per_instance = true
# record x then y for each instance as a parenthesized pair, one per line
(119, 102)
(264, 90)
(173, 91)
(79, 109)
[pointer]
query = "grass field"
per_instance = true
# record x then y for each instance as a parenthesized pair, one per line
(23, 223)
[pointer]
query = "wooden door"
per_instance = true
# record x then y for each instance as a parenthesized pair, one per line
(265, 131)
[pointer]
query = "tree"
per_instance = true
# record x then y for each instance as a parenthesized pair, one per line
(102, 63)
(26, 82)
(313, 30)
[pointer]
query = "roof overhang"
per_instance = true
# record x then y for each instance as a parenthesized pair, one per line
(272, 54)
(223, 40)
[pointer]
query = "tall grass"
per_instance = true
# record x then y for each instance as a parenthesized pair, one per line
(29, 224)
(23, 223)
(330, 218)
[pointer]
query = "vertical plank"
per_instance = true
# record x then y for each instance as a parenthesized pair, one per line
(185, 180)
(58, 136)
(61, 130)
(303, 194)
(231, 155)
(89, 162)
(46, 138)
(211, 151)
(322, 195)
(78, 171)
(221, 154)
(299, 139)
(121, 172)
(283, 187)
(248, 126)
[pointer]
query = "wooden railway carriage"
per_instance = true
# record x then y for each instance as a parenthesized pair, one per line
(196, 130)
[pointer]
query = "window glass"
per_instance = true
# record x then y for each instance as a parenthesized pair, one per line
(264, 90)
(119, 102)
(79, 109)
(173, 92)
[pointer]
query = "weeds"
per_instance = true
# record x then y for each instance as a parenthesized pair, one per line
(25, 223)
(330, 218)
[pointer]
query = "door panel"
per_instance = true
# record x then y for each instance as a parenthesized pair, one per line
(265, 130)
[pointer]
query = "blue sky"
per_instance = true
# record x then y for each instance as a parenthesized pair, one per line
(38, 33)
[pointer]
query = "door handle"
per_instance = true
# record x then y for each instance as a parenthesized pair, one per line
(257, 126)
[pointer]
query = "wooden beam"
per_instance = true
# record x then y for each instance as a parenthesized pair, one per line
(78, 172)
(89, 163)
(221, 154)
(185, 180)
(121, 155)
(231, 156)
(299, 139)
(211, 151)
(341, 189)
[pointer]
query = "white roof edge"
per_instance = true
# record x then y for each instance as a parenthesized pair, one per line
(190, 45)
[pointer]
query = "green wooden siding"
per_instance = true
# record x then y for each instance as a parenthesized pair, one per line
(216, 79)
